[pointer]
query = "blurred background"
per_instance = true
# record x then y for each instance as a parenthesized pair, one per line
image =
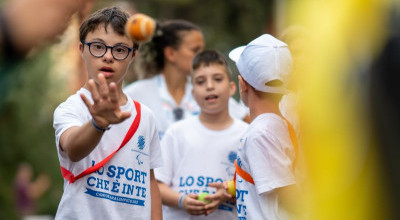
(33, 88)
(346, 56)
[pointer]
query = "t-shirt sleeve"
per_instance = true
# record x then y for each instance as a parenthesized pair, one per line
(165, 173)
(270, 165)
(65, 117)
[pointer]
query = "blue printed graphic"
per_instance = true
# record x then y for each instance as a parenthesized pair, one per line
(225, 208)
(141, 142)
(115, 198)
(138, 160)
(239, 161)
(232, 156)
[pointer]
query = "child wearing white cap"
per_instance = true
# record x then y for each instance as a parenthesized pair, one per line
(265, 181)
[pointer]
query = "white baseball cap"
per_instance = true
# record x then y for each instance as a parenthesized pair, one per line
(263, 60)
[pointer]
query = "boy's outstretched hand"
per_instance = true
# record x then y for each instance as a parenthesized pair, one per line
(105, 109)
(220, 196)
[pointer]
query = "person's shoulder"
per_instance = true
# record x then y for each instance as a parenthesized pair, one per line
(183, 125)
(145, 110)
(240, 123)
(74, 100)
(269, 126)
(140, 86)
(144, 91)
(268, 121)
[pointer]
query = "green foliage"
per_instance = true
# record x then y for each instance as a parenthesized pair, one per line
(26, 132)
(225, 23)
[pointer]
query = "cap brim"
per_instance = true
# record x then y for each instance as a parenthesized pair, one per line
(235, 53)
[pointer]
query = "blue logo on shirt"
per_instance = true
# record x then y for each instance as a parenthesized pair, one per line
(140, 162)
(232, 156)
(141, 142)
(239, 162)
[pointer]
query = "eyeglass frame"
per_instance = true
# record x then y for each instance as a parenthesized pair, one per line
(111, 47)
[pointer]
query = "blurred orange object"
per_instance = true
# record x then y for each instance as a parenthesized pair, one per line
(140, 27)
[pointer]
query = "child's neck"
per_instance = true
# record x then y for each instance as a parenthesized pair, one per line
(263, 106)
(176, 82)
(219, 121)
(122, 98)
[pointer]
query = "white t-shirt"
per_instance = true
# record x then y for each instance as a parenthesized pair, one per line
(194, 156)
(153, 92)
(266, 153)
(121, 188)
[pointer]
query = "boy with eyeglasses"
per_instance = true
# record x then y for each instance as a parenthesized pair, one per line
(107, 143)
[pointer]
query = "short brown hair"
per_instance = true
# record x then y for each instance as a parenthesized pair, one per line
(208, 57)
(113, 16)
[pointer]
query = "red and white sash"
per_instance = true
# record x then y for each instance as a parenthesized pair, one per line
(68, 175)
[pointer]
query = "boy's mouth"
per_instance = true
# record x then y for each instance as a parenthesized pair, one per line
(211, 97)
(107, 71)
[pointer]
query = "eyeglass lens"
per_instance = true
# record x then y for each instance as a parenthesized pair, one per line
(118, 52)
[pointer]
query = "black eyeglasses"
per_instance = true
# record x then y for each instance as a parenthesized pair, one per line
(98, 49)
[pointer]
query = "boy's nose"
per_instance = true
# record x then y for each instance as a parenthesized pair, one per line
(108, 55)
(210, 84)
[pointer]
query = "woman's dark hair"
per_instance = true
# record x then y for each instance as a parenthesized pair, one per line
(170, 33)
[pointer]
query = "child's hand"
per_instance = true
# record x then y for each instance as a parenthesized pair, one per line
(193, 206)
(105, 110)
(218, 198)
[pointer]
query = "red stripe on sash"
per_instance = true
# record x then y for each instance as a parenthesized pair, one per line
(132, 130)
(242, 173)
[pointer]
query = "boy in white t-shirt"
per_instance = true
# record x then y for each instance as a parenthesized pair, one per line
(107, 143)
(167, 58)
(265, 181)
(201, 149)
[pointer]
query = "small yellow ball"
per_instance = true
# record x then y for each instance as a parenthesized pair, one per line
(231, 188)
(201, 197)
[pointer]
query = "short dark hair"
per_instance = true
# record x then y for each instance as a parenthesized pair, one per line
(113, 16)
(208, 57)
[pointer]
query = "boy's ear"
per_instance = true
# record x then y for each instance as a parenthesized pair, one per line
(243, 86)
(81, 47)
(169, 53)
(232, 88)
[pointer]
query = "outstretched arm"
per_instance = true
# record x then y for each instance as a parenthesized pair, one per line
(78, 142)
